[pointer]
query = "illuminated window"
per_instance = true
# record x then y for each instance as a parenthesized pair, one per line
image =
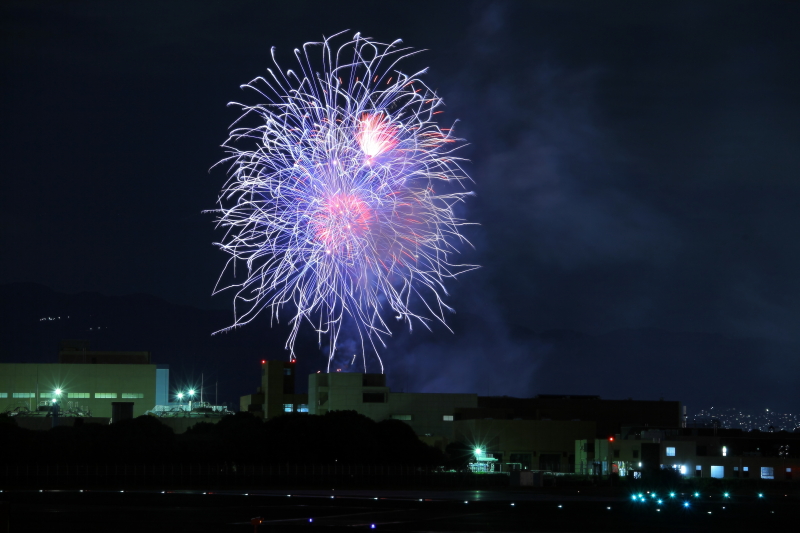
(401, 417)
(447, 418)
(670, 451)
(47, 395)
(767, 472)
(23, 395)
(105, 394)
(287, 408)
(287, 371)
(718, 472)
(78, 395)
(302, 408)
(3, 395)
(132, 395)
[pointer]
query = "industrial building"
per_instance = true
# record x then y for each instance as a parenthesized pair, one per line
(430, 415)
(84, 383)
(693, 452)
(276, 394)
(609, 416)
(527, 433)
(525, 444)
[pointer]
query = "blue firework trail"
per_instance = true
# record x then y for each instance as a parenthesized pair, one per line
(339, 202)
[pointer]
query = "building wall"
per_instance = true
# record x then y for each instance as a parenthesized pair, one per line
(535, 444)
(692, 455)
(609, 415)
(276, 395)
(729, 466)
(428, 414)
(88, 379)
(253, 404)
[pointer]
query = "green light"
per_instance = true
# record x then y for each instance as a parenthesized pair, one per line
(727, 495)
(191, 392)
(58, 392)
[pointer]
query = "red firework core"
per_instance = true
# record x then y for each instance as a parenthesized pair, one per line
(342, 222)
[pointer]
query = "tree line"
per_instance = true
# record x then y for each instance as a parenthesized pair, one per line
(343, 437)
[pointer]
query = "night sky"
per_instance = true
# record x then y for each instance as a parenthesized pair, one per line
(635, 164)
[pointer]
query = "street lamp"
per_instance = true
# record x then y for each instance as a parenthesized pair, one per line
(180, 397)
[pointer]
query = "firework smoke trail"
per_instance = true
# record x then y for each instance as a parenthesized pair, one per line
(332, 201)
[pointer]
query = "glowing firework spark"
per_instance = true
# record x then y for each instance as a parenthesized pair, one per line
(332, 202)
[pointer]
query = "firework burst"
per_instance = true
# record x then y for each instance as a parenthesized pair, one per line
(340, 199)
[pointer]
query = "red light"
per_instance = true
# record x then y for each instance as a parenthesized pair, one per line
(610, 439)
(293, 361)
(263, 361)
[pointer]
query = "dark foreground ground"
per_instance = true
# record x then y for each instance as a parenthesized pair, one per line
(385, 510)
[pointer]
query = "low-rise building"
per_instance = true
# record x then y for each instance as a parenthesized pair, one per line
(525, 444)
(276, 396)
(81, 389)
(693, 452)
(430, 415)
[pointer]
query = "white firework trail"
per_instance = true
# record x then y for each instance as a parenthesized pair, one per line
(340, 197)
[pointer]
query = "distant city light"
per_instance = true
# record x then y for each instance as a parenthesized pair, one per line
(744, 419)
